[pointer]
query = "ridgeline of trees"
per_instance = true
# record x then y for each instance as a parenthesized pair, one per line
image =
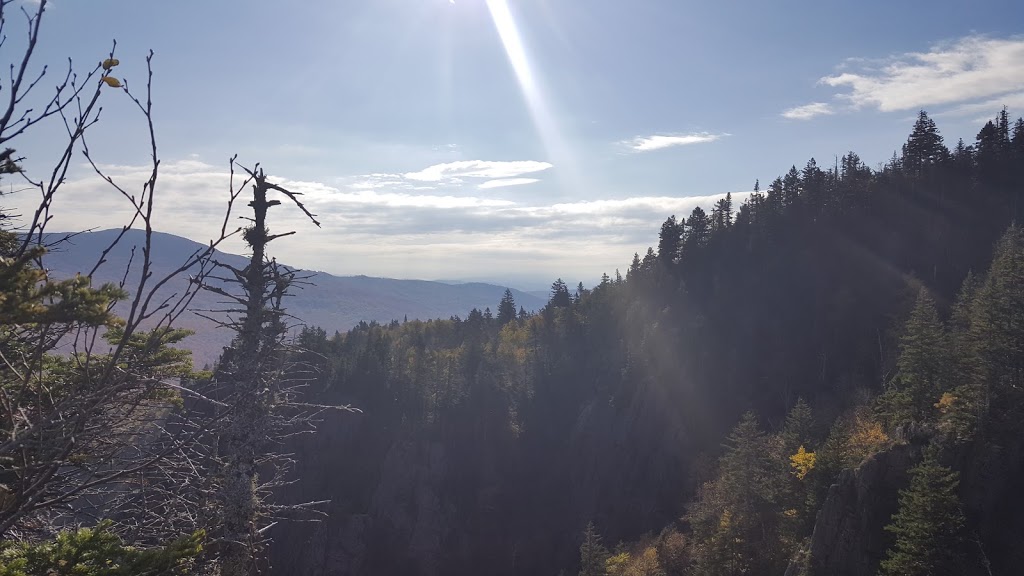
(838, 312)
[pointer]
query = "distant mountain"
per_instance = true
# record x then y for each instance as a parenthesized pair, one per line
(330, 302)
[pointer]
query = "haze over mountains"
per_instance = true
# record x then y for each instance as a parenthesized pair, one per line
(328, 301)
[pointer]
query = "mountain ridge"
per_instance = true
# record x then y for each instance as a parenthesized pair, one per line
(331, 302)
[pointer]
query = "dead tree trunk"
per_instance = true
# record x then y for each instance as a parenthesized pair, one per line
(252, 373)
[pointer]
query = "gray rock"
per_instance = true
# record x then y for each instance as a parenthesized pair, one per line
(849, 537)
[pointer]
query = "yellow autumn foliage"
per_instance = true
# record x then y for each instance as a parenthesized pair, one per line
(646, 564)
(111, 81)
(802, 462)
(616, 564)
(725, 520)
(866, 438)
(946, 402)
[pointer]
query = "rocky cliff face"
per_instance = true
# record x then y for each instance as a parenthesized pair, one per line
(849, 537)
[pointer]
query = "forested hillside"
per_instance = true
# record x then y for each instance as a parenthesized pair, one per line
(859, 331)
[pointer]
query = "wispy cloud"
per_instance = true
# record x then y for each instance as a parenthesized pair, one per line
(660, 141)
(969, 70)
(504, 182)
(477, 169)
(986, 109)
(808, 111)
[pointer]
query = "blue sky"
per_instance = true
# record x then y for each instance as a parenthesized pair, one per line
(515, 140)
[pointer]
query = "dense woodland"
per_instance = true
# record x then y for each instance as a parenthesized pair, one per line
(698, 408)
(824, 379)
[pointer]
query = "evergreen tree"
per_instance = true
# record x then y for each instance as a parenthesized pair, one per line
(593, 554)
(506, 308)
(698, 229)
(959, 407)
(560, 297)
(924, 147)
(670, 240)
(798, 429)
(1018, 137)
(750, 212)
(633, 272)
(735, 519)
(997, 329)
(929, 524)
(798, 459)
(813, 182)
(791, 187)
(922, 366)
(721, 214)
(648, 264)
(774, 198)
(97, 552)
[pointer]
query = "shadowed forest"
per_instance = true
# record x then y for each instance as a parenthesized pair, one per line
(825, 378)
(700, 411)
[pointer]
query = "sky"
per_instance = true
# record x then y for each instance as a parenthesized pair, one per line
(512, 141)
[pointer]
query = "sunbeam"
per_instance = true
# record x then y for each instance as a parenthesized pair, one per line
(543, 120)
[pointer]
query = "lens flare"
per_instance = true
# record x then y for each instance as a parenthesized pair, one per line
(532, 93)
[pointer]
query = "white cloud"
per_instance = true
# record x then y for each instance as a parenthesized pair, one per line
(968, 70)
(451, 175)
(808, 111)
(659, 141)
(395, 231)
(477, 169)
(503, 182)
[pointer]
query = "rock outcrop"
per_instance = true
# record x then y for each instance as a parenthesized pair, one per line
(849, 537)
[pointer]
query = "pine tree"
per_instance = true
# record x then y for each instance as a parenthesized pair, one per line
(735, 519)
(506, 308)
(924, 147)
(997, 329)
(798, 429)
(791, 187)
(633, 272)
(593, 554)
(560, 297)
(698, 229)
(922, 368)
(774, 197)
(1018, 138)
(929, 524)
(670, 240)
(813, 181)
(959, 407)
(97, 552)
(647, 265)
(750, 211)
(721, 214)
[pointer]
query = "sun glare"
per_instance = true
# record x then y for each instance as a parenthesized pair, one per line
(512, 41)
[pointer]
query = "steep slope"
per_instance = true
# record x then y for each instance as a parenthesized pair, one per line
(488, 447)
